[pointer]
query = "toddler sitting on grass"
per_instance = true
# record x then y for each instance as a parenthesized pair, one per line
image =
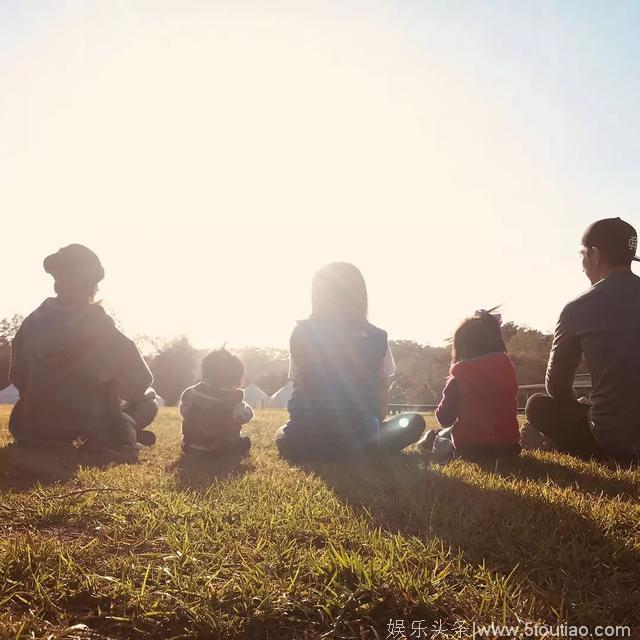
(479, 401)
(214, 410)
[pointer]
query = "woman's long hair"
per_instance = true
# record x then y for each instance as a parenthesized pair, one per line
(477, 336)
(339, 294)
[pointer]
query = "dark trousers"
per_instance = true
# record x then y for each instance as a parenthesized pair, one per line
(143, 412)
(565, 423)
(107, 431)
(476, 452)
(394, 435)
(400, 431)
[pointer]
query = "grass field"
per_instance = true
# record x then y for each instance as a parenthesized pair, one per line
(258, 548)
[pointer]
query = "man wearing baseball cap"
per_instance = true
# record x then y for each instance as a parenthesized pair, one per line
(603, 325)
(77, 374)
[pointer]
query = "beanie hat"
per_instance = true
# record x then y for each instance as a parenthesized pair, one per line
(74, 264)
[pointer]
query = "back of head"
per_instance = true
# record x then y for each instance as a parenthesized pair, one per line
(339, 294)
(477, 336)
(221, 369)
(616, 240)
(77, 271)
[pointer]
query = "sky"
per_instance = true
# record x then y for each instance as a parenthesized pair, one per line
(215, 154)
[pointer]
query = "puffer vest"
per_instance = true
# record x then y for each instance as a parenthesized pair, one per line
(337, 372)
(488, 412)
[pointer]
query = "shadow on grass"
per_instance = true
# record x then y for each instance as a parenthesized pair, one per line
(571, 565)
(198, 471)
(23, 467)
(529, 467)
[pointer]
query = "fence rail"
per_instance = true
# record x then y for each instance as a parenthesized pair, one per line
(395, 409)
(581, 381)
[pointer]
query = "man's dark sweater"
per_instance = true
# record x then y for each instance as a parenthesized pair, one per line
(604, 324)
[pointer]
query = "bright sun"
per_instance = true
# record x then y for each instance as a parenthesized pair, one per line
(214, 157)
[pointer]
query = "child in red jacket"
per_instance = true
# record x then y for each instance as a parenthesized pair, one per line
(479, 401)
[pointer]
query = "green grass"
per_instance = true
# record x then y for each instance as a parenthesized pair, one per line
(258, 548)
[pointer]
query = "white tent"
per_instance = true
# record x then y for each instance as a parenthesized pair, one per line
(9, 395)
(281, 397)
(255, 397)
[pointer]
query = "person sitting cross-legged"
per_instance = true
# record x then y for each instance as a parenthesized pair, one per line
(478, 409)
(78, 376)
(213, 410)
(603, 325)
(341, 365)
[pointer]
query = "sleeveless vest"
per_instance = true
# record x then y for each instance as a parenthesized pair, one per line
(488, 413)
(337, 374)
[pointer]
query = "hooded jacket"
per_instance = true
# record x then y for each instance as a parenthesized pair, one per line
(71, 365)
(485, 390)
(213, 417)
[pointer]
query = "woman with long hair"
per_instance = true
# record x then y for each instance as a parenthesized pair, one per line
(341, 366)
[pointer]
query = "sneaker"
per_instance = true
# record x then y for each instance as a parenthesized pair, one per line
(532, 439)
(425, 444)
(443, 450)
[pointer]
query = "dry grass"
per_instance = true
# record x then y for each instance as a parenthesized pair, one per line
(257, 548)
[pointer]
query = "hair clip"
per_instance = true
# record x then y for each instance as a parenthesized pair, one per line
(490, 312)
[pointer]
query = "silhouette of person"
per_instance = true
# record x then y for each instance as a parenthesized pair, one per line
(78, 376)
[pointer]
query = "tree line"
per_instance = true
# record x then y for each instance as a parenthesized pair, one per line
(421, 369)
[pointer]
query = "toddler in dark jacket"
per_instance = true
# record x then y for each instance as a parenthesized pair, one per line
(214, 410)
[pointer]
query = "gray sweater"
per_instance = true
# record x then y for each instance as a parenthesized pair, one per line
(604, 325)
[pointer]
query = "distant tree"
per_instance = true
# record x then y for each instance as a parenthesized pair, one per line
(149, 346)
(529, 350)
(8, 329)
(423, 369)
(268, 368)
(421, 372)
(271, 382)
(173, 369)
(509, 330)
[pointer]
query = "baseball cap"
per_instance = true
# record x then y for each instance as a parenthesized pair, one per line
(74, 264)
(616, 238)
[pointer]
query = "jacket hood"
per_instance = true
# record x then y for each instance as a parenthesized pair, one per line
(224, 395)
(481, 362)
(56, 329)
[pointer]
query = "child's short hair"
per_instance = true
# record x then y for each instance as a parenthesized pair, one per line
(221, 369)
(477, 336)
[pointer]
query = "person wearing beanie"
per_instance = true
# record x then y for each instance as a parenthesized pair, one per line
(603, 326)
(78, 376)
